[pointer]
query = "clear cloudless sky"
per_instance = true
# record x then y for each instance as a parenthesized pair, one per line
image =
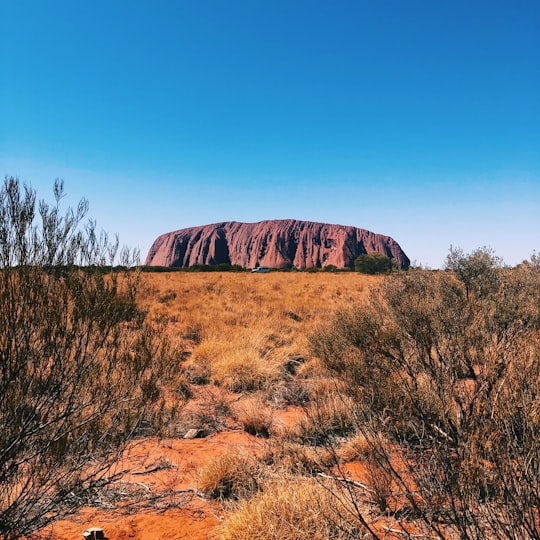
(418, 119)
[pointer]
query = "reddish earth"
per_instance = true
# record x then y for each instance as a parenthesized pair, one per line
(196, 521)
(273, 243)
(167, 470)
(158, 498)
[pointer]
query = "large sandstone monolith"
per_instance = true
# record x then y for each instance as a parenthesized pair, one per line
(275, 243)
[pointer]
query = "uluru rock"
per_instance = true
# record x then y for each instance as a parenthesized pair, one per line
(274, 243)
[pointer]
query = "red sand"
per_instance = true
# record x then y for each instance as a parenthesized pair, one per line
(168, 468)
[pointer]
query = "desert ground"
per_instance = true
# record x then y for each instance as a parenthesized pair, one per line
(249, 329)
(308, 405)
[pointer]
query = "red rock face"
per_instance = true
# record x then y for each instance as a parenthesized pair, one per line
(275, 243)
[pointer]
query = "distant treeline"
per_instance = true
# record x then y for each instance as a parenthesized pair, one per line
(224, 267)
(59, 270)
(372, 263)
(365, 264)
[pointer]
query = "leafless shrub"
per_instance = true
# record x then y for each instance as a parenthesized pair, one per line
(380, 482)
(183, 388)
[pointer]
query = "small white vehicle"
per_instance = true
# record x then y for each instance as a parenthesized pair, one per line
(260, 270)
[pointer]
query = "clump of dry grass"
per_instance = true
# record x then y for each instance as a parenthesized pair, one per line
(241, 362)
(328, 416)
(355, 448)
(229, 476)
(255, 416)
(209, 413)
(296, 458)
(293, 391)
(293, 510)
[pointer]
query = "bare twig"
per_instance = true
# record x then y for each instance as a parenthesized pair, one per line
(346, 480)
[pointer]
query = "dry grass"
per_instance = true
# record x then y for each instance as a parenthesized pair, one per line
(285, 456)
(255, 416)
(292, 510)
(209, 412)
(246, 331)
(355, 448)
(229, 476)
(244, 334)
(244, 362)
(330, 415)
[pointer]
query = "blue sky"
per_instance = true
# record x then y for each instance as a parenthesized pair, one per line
(415, 119)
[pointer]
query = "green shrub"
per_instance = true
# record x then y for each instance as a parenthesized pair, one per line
(373, 263)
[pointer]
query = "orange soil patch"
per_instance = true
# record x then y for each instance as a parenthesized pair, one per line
(185, 455)
(167, 469)
(357, 471)
(197, 520)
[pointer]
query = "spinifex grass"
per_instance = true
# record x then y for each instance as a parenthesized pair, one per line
(245, 331)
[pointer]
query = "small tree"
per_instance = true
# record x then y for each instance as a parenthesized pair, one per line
(373, 263)
(72, 352)
(478, 270)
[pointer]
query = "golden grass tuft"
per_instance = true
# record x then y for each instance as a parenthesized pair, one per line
(330, 415)
(229, 476)
(355, 448)
(255, 416)
(296, 458)
(293, 510)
